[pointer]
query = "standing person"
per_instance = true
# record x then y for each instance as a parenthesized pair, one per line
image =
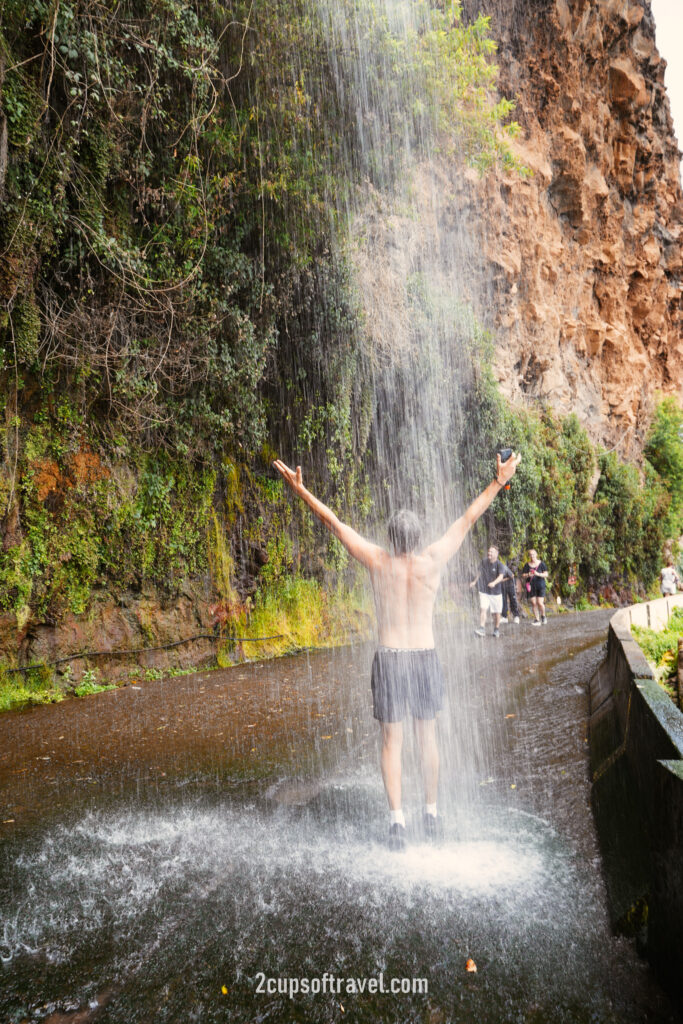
(535, 572)
(669, 578)
(406, 673)
(510, 602)
(489, 582)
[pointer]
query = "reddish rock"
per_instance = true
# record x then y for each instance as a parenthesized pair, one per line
(48, 479)
(627, 86)
(134, 623)
(593, 323)
(85, 467)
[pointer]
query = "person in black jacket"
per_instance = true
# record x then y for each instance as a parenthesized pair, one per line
(511, 609)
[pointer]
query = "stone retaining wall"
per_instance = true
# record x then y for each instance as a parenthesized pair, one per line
(636, 742)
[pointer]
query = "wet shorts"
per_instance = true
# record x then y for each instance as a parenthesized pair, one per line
(406, 682)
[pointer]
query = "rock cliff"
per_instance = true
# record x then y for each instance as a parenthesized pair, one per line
(587, 251)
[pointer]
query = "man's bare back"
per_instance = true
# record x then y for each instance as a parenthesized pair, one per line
(405, 588)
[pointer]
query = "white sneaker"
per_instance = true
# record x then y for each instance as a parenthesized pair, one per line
(516, 620)
(480, 632)
(536, 622)
(503, 620)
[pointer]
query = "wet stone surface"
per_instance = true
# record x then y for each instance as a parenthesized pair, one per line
(182, 851)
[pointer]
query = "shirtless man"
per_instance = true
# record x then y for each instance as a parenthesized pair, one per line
(406, 673)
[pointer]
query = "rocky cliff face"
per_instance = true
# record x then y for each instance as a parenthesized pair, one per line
(587, 252)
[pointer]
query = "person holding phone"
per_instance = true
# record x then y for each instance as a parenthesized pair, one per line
(406, 672)
(535, 574)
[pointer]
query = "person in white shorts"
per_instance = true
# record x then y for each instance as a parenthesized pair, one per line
(489, 582)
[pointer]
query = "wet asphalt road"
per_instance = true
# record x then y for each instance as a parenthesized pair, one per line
(249, 796)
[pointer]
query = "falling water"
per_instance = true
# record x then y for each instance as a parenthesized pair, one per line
(418, 274)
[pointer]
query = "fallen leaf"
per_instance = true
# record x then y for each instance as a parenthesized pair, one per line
(511, 716)
(471, 966)
(224, 990)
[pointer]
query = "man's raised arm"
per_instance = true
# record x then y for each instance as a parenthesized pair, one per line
(362, 550)
(444, 548)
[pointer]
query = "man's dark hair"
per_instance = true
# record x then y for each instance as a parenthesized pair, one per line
(404, 531)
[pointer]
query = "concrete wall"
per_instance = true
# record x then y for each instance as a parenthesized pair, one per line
(636, 740)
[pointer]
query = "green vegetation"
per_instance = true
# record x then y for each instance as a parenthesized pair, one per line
(591, 516)
(168, 276)
(302, 614)
(89, 685)
(664, 451)
(37, 686)
(172, 176)
(87, 525)
(661, 649)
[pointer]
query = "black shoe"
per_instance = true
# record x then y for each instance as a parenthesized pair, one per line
(397, 838)
(432, 827)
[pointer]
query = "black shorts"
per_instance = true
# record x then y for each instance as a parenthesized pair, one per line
(537, 587)
(406, 682)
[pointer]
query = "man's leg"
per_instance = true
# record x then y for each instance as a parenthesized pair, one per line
(425, 734)
(392, 742)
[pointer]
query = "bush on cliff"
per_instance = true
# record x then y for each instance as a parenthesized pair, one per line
(664, 451)
(592, 517)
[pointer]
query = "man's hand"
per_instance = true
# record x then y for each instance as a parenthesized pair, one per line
(293, 478)
(506, 470)
(493, 583)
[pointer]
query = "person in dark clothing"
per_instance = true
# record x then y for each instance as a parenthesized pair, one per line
(510, 602)
(489, 581)
(535, 573)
